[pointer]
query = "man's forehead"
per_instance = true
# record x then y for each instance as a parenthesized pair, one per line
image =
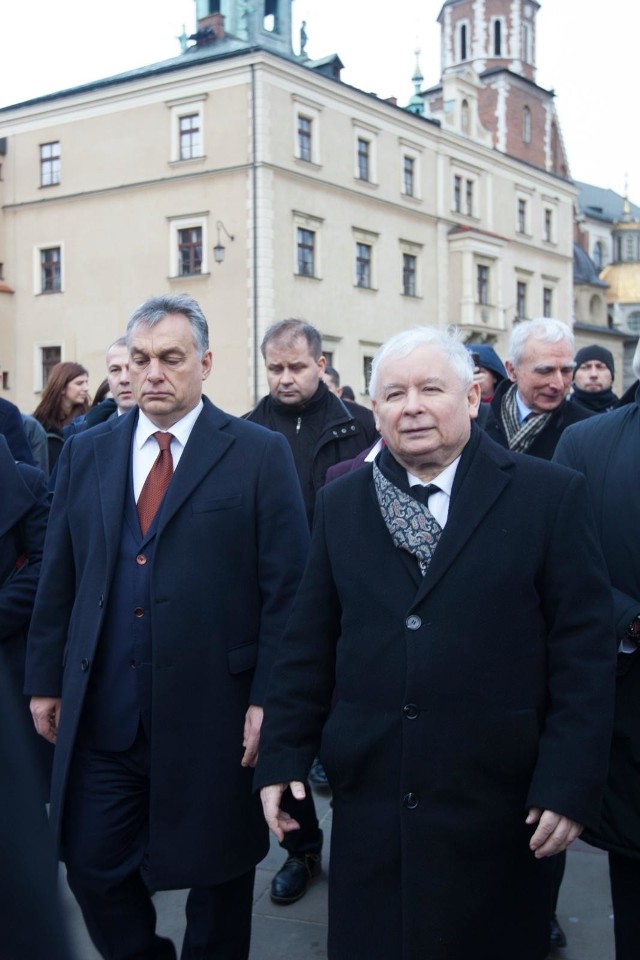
(284, 351)
(173, 331)
(543, 351)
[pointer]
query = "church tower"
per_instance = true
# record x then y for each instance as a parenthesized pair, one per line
(259, 23)
(488, 87)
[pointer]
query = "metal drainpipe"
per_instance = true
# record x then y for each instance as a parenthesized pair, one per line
(254, 214)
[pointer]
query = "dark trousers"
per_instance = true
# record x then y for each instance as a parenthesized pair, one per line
(308, 839)
(625, 894)
(105, 832)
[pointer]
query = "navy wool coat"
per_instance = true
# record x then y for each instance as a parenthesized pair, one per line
(462, 699)
(606, 450)
(231, 541)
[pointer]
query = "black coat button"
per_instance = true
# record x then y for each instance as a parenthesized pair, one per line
(413, 622)
(411, 801)
(410, 711)
(84, 664)
(138, 612)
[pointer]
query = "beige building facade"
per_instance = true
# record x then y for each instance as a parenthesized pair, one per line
(332, 205)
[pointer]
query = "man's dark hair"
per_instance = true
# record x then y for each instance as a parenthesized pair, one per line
(288, 331)
(333, 373)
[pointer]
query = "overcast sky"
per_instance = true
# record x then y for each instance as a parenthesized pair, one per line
(587, 53)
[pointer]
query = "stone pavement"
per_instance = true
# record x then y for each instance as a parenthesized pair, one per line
(298, 932)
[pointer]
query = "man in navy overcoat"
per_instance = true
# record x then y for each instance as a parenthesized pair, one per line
(149, 653)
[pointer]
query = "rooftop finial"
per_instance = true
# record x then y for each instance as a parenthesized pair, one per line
(416, 104)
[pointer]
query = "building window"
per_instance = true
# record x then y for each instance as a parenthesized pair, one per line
(306, 246)
(483, 284)
(49, 164)
(527, 52)
(187, 129)
(462, 41)
(457, 194)
(305, 127)
(408, 176)
(522, 216)
(526, 125)
(409, 274)
(468, 193)
(364, 159)
(598, 254)
(49, 356)
(497, 38)
(189, 251)
(547, 302)
(366, 371)
(521, 300)
(548, 225)
(363, 264)
(190, 136)
(50, 270)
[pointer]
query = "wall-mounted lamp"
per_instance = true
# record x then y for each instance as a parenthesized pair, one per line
(218, 250)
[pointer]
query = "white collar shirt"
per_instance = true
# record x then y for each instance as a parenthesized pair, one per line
(145, 447)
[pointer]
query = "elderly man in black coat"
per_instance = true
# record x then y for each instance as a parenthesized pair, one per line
(606, 450)
(469, 643)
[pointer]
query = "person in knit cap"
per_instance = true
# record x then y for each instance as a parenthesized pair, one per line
(593, 377)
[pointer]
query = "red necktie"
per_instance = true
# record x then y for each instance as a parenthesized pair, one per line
(158, 479)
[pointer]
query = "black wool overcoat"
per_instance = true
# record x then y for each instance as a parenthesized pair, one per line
(462, 699)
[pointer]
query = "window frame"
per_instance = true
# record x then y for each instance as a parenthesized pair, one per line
(176, 226)
(182, 109)
(52, 164)
(39, 287)
(194, 152)
(190, 246)
(304, 137)
(483, 280)
(300, 248)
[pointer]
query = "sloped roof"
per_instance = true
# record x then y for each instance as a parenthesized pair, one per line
(601, 203)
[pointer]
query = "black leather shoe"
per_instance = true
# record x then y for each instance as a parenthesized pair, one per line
(318, 777)
(557, 936)
(292, 879)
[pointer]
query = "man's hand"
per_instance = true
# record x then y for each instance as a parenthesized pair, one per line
(251, 737)
(46, 716)
(553, 834)
(278, 821)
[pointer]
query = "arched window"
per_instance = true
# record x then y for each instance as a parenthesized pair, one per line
(462, 36)
(526, 125)
(497, 38)
(465, 122)
(526, 43)
(595, 306)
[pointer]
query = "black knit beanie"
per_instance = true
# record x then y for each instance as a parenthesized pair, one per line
(595, 352)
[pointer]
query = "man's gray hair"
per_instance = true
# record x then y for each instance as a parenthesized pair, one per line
(542, 328)
(288, 331)
(155, 309)
(448, 341)
(120, 342)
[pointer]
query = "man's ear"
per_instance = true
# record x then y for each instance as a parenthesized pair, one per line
(511, 371)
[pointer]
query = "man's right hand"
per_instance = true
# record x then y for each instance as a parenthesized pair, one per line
(278, 821)
(46, 716)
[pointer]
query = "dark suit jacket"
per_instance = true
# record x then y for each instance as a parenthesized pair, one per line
(230, 545)
(545, 443)
(463, 698)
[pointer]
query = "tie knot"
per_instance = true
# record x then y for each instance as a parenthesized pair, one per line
(423, 493)
(164, 439)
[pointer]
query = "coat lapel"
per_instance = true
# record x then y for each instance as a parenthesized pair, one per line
(112, 451)
(205, 447)
(486, 472)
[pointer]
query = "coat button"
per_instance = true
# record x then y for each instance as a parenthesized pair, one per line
(101, 600)
(411, 801)
(138, 612)
(84, 664)
(141, 559)
(413, 622)
(410, 711)
(133, 664)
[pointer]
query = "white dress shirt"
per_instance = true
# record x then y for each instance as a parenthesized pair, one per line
(439, 502)
(145, 446)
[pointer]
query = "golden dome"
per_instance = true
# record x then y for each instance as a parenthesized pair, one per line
(624, 282)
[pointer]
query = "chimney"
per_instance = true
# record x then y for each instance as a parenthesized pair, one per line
(214, 22)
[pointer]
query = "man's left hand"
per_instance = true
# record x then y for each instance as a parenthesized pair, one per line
(251, 738)
(553, 834)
